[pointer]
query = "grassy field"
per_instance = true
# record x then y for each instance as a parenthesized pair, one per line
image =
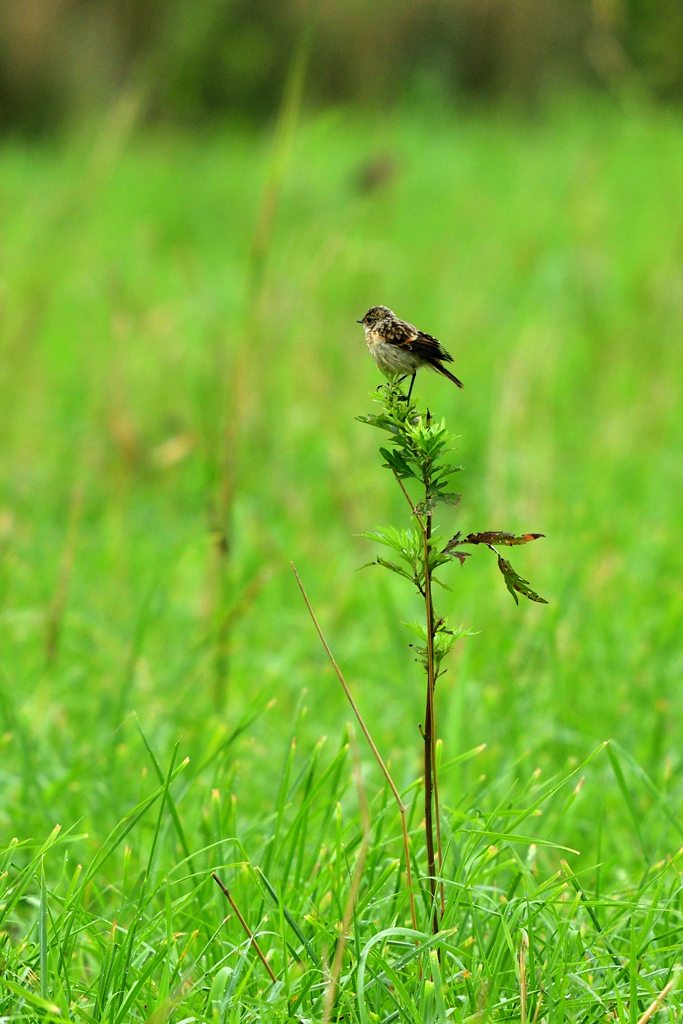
(168, 446)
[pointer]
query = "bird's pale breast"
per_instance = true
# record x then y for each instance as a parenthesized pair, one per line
(391, 358)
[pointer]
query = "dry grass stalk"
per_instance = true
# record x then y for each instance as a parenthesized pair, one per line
(226, 892)
(375, 751)
(538, 1007)
(522, 983)
(658, 1003)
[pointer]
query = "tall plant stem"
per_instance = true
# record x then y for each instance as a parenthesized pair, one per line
(435, 777)
(431, 784)
(428, 734)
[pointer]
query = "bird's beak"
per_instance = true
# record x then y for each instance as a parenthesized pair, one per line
(359, 321)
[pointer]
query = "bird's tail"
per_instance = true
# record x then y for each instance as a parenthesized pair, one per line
(440, 368)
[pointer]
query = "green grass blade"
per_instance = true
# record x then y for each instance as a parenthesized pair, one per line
(44, 987)
(438, 987)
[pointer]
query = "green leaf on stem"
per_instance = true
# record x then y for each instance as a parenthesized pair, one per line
(399, 570)
(445, 639)
(383, 422)
(408, 543)
(395, 568)
(397, 462)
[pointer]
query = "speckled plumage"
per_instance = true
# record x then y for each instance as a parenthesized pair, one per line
(400, 348)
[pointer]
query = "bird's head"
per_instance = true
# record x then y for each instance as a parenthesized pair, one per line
(375, 315)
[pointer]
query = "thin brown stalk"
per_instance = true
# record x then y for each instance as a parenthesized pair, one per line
(429, 757)
(61, 594)
(658, 1003)
(371, 742)
(226, 892)
(408, 499)
(437, 814)
(331, 990)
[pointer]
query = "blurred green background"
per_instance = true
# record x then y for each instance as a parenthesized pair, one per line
(197, 200)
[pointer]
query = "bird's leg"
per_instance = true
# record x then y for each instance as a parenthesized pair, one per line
(399, 380)
(410, 389)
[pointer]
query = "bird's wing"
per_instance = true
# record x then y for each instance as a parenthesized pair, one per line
(430, 348)
(398, 332)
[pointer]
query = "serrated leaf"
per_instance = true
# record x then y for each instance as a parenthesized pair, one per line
(446, 471)
(419, 629)
(386, 535)
(407, 543)
(500, 537)
(395, 568)
(388, 565)
(383, 422)
(396, 462)
(516, 584)
(444, 644)
(450, 552)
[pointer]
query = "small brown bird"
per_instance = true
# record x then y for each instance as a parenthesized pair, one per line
(399, 348)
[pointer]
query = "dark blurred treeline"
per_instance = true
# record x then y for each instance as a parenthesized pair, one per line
(60, 59)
